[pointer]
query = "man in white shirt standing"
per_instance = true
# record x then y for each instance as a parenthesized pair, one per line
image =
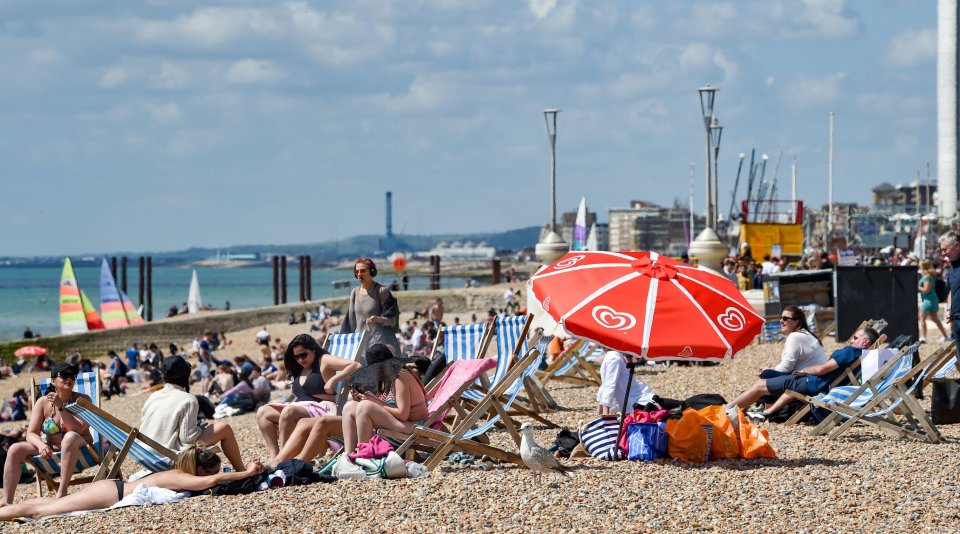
(613, 385)
(263, 337)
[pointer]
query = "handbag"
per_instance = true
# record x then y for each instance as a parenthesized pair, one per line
(646, 441)
(599, 437)
(945, 401)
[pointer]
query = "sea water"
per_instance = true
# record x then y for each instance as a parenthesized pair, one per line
(30, 296)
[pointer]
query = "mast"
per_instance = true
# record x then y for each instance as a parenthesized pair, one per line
(793, 188)
(826, 239)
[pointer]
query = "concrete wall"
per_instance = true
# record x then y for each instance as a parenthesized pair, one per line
(183, 329)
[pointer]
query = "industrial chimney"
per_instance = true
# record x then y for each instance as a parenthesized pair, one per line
(389, 215)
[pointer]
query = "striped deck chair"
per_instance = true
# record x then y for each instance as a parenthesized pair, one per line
(573, 366)
(90, 455)
(122, 438)
(470, 423)
(884, 406)
(347, 346)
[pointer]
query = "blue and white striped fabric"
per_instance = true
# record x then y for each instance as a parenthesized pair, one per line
(345, 345)
(511, 394)
(599, 437)
(461, 342)
(947, 369)
(586, 350)
(841, 394)
(509, 330)
(89, 385)
(139, 451)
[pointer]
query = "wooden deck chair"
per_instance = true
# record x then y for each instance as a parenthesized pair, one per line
(572, 366)
(471, 423)
(90, 455)
(444, 398)
(123, 440)
(848, 377)
(894, 408)
(347, 346)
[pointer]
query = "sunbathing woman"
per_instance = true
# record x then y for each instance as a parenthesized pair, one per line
(315, 373)
(399, 407)
(195, 470)
(51, 429)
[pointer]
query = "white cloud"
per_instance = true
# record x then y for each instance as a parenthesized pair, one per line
(541, 8)
(166, 113)
(709, 19)
(912, 48)
(804, 91)
(422, 95)
(210, 27)
(252, 72)
(811, 18)
(45, 55)
(114, 77)
(172, 76)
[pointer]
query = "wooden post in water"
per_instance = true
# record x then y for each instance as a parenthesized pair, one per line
(283, 279)
(303, 278)
(276, 281)
(140, 266)
(123, 274)
(495, 263)
(434, 272)
(149, 310)
(309, 265)
(113, 268)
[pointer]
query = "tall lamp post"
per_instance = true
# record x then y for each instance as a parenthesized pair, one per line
(708, 95)
(552, 246)
(707, 247)
(716, 132)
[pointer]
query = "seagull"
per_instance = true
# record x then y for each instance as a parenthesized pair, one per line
(537, 458)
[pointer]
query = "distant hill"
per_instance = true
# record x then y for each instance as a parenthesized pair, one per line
(328, 251)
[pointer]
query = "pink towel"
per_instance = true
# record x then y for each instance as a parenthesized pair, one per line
(377, 447)
(460, 372)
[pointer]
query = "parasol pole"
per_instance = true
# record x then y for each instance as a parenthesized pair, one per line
(623, 407)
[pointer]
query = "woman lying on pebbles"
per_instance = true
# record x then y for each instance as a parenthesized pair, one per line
(399, 405)
(195, 470)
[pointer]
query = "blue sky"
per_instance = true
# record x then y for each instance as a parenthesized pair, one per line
(164, 124)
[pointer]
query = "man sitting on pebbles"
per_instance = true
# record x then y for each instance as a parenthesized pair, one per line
(811, 380)
(170, 416)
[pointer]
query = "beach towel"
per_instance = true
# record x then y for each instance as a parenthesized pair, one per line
(377, 447)
(143, 495)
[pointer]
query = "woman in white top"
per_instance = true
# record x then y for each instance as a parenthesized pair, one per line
(801, 349)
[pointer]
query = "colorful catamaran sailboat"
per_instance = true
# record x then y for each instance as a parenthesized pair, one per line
(116, 308)
(194, 302)
(580, 227)
(77, 313)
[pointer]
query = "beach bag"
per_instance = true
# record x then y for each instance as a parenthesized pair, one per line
(945, 401)
(703, 400)
(646, 441)
(724, 443)
(754, 441)
(599, 437)
(344, 469)
(688, 438)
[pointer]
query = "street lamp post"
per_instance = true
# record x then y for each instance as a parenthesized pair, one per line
(552, 246)
(708, 95)
(716, 132)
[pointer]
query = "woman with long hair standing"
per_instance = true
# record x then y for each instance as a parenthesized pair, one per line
(929, 303)
(373, 307)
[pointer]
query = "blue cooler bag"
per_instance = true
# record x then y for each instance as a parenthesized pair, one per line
(646, 441)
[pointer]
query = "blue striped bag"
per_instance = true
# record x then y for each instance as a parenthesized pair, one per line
(599, 437)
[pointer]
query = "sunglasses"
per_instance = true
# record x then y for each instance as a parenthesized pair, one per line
(301, 355)
(787, 318)
(68, 377)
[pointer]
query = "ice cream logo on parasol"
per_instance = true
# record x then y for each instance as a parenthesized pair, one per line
(608, 317)
(546, 304)
(732, 319)
(687, 352)
(568, 262)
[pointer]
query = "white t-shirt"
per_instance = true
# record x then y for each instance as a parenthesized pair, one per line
(417, 338)
(263, 334)
(766, 267)
(800, 351)
(508, 297)
(613, 384)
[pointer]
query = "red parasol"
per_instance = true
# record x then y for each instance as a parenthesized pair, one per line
(30, 350)
(648, 305)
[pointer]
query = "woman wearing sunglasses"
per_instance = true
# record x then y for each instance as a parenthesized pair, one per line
(315, 373)
(801, 349)
(372, 307)
(51, 429)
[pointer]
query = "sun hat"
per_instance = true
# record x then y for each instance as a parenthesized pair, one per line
(381, 366)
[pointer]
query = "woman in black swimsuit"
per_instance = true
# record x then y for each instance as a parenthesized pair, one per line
(195, 470)
(315, 373)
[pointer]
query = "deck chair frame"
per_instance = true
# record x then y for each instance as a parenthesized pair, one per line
(43, 477)
(572, 367)
(899, 393)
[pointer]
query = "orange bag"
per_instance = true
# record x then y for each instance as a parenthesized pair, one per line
(725, 443)
(687, 439)
(754, 441)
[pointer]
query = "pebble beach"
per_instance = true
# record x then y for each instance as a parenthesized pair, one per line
(864, 481)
